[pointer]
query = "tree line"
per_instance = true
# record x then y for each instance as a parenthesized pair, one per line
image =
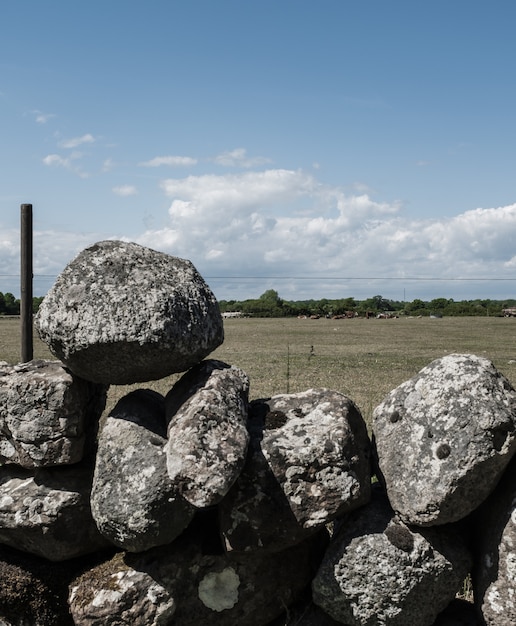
(269, 304)
(9, 305)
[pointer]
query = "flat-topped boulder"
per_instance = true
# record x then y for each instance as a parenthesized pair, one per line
(46, 512)
(444, 438)
(47, 415)
(121, 313)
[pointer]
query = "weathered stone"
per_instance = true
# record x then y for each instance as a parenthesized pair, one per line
(207, 433)
(377, 570)
(444, 438)
(308, 463)
(114, 593)
(121, 313)
(46, 414)
(133, 502)
(183, 585)
(495, 546)
(47, 511)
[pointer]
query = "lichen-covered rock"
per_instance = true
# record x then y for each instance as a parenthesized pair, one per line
(133, 502)
(186, 584)
(308, 463)
(47, 511)
(444, 438)
(495, 551)
(113, 593)
(120, 313)
(207, 433)
(47, 415)
(377, 570)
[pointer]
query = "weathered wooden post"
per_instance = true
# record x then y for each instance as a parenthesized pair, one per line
(26, 283)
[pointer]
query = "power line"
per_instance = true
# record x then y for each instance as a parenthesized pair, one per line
(340, 278)
(417, 278)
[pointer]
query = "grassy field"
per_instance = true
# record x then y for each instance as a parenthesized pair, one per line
(364, 359)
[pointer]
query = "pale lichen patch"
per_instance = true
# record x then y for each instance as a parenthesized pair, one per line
(219, 590)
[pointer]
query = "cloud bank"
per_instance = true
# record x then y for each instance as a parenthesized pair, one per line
(282, 228)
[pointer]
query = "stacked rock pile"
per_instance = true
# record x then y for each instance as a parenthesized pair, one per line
(201, 507)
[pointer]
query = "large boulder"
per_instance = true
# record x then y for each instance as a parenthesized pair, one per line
(377, 570)
(308, 463)
(120, 313)
(191, 582)
(47, 415)
(495, 546)
(46, 512)
(207, 434)
(133, 502)
(444, 438)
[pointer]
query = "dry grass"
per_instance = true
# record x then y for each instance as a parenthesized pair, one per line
(364, 359)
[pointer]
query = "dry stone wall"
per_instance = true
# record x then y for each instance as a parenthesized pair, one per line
(201, 507)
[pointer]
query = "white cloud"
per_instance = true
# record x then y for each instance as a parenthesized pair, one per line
(238, 158)
(286, 223)
(108, 165)
(42, 118)
(171, 161)
(77, 141)
(125, 190)
(56, 160)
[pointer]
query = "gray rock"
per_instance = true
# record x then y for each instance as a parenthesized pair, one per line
(47, 415)
(308, 463)
(495, 546)
(121, 313)
(47, 511)
(377, 570)
(444, 438)
(133, 502)
(207, 433)
(184, 585)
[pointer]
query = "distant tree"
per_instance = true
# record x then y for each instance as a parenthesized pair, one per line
(11, 304)
(376, 303)
(271, 296)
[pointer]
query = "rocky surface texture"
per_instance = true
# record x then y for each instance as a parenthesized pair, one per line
(121, 313)
(45, 414)
(444, 438)
(202, 508)
(133, 503)
(207, 435)
(495, 574)
(378, 570)
(308, 463)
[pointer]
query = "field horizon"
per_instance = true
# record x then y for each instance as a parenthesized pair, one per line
(363, 359)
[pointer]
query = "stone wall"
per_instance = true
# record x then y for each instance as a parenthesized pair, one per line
(201, 507)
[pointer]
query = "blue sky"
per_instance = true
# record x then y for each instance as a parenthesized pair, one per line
(327, 149)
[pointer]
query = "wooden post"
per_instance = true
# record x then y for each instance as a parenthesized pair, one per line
(26, 283)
